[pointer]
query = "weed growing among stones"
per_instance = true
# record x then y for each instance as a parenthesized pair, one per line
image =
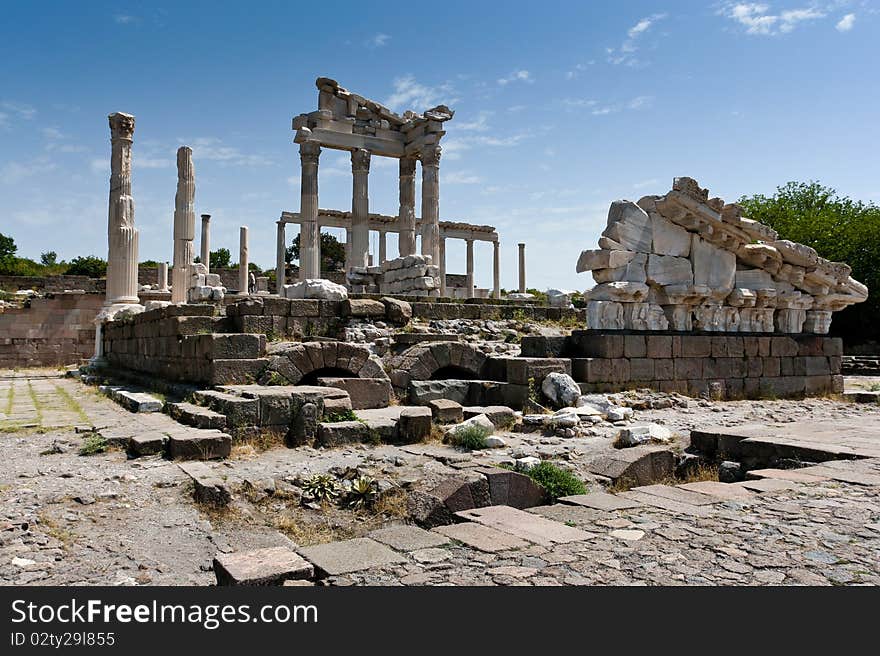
(93, 445)
(470, 438)
(557, 482)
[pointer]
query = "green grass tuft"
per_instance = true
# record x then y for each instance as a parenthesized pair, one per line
(470, 438)
(557, 482)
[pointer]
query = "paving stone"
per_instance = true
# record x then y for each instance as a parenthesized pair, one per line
(668, 504)
(481, 537)
(209, 488)
(718, 490)
(600, 501)
(336, 558)
(677, 494)
(855, 477)
(407, 538)
(199, 445)
(793, 475)
(768, 485)
(273, 566)
(137, 401)
(524, 525)
(579, 516)
(630, 535)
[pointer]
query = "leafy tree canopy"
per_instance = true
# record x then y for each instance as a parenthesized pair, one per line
(220, 259)
(332, 252)
(840, 229)
(90, 265)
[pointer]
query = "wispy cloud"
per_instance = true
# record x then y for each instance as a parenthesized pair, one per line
(126, 19)
(596, 108)
(577, 69)
(378, 40)
(18, 110)
(846, 23)
(759, 18)
(626, 53)
(14, 172)
(461, 177)
(213, 149)
(516, 76)
(57, 141)
(479, 124)
(410, 94)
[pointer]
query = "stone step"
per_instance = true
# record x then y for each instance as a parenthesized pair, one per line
(678, 494)
(196, 444)
(600, 501)
(335, 558)
(133, 401)
(272, 566)
(482, 538)
(524, 525)
(195, 415)
(238, 410)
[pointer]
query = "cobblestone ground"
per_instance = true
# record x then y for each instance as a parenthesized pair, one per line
(103, 519)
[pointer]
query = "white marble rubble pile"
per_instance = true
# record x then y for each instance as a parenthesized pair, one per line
(204, 286)
(685, 262)
(318, 288)
(411, 275)
(364, 279)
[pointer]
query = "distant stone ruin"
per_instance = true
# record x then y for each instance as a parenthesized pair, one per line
(685, 262)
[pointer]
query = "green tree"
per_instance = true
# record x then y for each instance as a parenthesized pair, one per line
(332, 252)
(49, 258)
(90, 265)
(840, 229)
(220, 259)
(7, 247)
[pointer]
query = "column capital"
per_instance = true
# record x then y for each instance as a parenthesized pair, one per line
(309, 151)
(430, 156)
(206, 217)
(121, 126)
(360, 160)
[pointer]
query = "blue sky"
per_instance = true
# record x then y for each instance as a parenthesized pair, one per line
(561, 108)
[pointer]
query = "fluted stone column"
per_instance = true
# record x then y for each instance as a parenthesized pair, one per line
(522, 268)
(430, 158)
(442, 265)
(469, 293)
(360, 208)
(496, 270)
(243, 261)
(206, 241)
(122, 236)
(280, 264)
(162, 282)
(309, 241)
(184, 225)
(406, 215)
(383, 247)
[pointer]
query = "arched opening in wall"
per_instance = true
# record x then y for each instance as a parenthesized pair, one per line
(312, 377)
(453, 373)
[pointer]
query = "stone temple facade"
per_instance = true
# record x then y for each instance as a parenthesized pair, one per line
(684, 262)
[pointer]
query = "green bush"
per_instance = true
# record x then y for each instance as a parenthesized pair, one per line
(90, 265)
(470, 438)
(341, 415)
(557, 482)
(93, 445)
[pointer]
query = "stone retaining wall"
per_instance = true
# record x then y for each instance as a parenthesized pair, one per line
(54, 331)
(185, 343)
(723, 366)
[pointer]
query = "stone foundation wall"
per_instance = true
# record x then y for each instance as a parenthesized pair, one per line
(54, 331)
(185, 343)
(723, 366)
(47, 284)
(493, 311)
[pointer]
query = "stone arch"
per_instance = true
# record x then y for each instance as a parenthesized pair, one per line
(294, 362)
(429, 361)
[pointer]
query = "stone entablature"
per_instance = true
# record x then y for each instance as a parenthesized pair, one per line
(686, 262)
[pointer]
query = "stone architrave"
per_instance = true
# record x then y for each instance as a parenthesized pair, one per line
(243, 261)
(630, 226)
(122, 253)
(309, 241)
(184, 225)
(360, 208)
(205, 244)
(406, 240)
(430, 158)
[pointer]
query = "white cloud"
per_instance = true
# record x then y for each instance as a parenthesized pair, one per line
(757, 18)
(25, 112)
(516, 76)
(379, 40)
(4, 120)
(410, 94)
(646, 183)
(479, 124)
(596, 108)
(626, 53)
(577, 69)
(124, 19)
(846, 23)
(14, 172)
(460, 177)
(213, 149)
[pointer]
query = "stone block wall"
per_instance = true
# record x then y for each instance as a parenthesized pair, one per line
(723, 366)
(53, 331)
(52, 284)
(185, 343)
(285, 318)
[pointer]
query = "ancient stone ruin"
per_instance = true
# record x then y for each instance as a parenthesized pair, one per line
(685, 262)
